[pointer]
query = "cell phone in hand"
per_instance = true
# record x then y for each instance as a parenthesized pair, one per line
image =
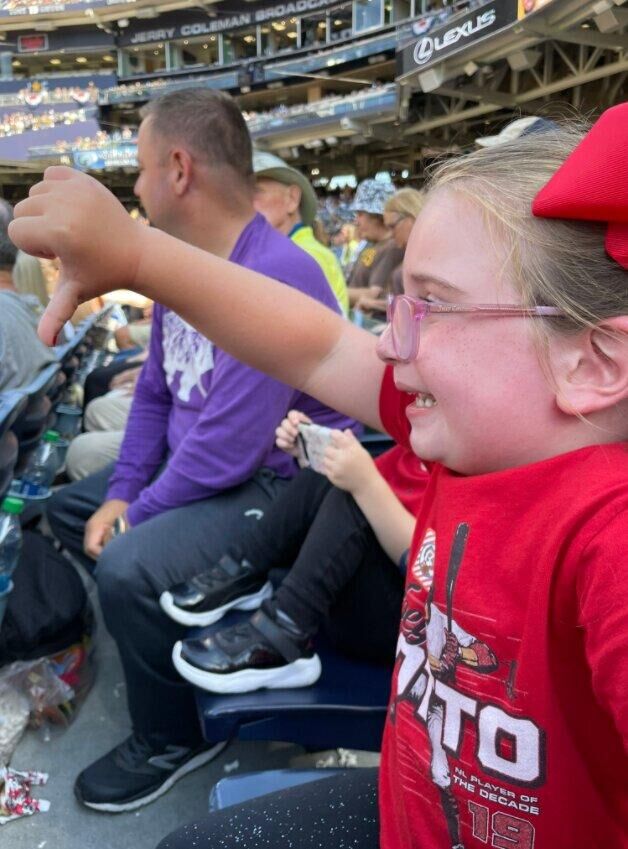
(313, 439)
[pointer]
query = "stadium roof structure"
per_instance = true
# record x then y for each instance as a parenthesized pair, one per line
(16, 178)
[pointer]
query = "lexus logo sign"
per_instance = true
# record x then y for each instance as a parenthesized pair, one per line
(439, 42)
(425, 49)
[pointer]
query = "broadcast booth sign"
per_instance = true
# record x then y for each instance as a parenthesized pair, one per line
(230, 17)
(455, 35)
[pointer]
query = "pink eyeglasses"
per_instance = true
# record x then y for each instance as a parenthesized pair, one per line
(405, 315)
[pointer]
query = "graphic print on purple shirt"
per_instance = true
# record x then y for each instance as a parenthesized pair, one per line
(188, 356)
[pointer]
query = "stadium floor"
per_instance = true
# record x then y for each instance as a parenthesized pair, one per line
(102, 722)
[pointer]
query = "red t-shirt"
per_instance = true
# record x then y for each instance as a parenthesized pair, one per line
(508, 716)
(405, 474)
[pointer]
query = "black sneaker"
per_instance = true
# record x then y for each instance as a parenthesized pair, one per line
(136, 773)
(206, 598)
(263, 652)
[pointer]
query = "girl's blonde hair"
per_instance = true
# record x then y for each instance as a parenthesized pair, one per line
(29, 279)
(406, 202)
(553, 262)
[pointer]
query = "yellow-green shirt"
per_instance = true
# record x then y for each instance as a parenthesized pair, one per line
(304, 237)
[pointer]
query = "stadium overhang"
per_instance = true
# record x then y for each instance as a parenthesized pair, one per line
(499, 59)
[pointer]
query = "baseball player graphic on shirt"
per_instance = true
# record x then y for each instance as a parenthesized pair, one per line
(430, 649)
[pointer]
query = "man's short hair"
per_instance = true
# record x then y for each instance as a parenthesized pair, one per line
(208, 122)
(8, 251)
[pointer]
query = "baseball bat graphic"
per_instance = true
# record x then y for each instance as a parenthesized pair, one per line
(455, 561)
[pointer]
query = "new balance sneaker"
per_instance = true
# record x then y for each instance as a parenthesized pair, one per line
(206, 598)
(267, 651)
(136, 773)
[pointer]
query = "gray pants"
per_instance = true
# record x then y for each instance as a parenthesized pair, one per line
(133, 571)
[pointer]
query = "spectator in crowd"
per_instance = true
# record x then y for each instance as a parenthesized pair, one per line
(372, 274)
(287, 200)
(30, 282)
(345, 246)
(135, 334)
(198, 454)
(22, 354)
(344, 533)
(400, 214)
(104, 422)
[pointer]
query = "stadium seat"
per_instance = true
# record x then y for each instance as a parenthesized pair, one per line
(251, 785)
(70, 353)
(31, 423)
(375, 442)
(346, 707)
(12, 404)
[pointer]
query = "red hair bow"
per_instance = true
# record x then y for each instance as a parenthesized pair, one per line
(592, 183)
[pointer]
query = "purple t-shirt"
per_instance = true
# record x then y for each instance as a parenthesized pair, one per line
(209, 415)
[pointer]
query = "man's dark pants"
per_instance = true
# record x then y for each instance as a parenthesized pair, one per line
(133, 571)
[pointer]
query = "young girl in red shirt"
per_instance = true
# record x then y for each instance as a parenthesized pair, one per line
(505, 366)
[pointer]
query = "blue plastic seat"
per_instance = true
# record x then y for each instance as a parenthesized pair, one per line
(12, 403)
(251, 785)
(375, 442)
(37, 416)
(346, 707)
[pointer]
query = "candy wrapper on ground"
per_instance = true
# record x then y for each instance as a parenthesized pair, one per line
(37, 681)
(14, 713)
(15, 794)
(54, 686)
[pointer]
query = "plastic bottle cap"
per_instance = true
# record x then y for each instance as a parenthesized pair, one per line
(51, 436)
(12, 505)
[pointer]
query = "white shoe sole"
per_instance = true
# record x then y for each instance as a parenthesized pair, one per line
(208, 617)
(301, 673)
(196, 762)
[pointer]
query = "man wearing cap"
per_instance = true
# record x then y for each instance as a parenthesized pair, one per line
(286, 199)
(517, 129)
(372, 274)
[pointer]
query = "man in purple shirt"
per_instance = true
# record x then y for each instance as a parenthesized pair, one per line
(198, 458)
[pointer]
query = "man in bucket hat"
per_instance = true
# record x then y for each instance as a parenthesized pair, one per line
(372, 273)
(287, 200)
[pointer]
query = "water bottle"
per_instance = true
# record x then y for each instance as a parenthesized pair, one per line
(358, 317)
(42, 466)
(10, 540)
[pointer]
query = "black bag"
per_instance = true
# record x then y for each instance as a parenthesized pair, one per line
(48, 609)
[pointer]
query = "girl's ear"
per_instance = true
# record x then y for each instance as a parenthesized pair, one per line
(592, 373)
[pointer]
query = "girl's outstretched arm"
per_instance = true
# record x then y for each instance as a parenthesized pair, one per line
(264, 323)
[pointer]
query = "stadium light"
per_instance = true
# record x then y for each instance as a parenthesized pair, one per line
(523, 60)
(431, 80)
(607, 22)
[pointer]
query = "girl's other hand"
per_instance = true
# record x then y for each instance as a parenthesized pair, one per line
(348, 465)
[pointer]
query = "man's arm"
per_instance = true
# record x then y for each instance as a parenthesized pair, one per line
(145, 442)
(266, 324)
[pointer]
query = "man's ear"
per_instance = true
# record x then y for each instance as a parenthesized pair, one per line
(180, 170)
(294, 195)
(592, 373)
